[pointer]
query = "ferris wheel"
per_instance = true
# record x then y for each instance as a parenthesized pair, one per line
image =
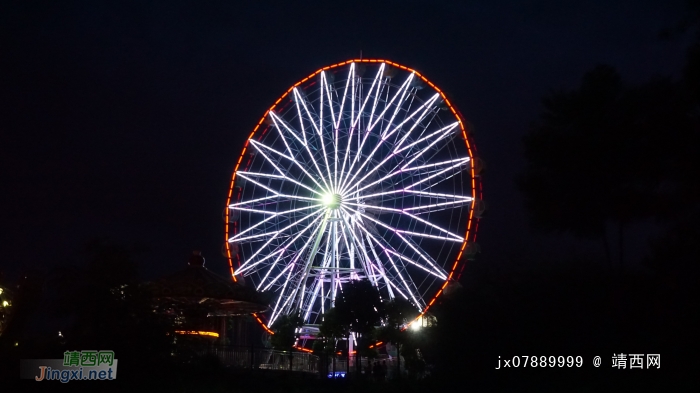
(363, 170)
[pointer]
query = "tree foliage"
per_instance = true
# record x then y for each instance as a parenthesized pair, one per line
(611, 152)
(397, 314)
(105, 303)
(574, 155)
(359, 306)
(333, 325)
(285, 328)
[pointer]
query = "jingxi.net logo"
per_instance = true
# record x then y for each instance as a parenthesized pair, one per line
(75, 366)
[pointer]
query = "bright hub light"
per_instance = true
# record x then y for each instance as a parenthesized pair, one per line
(331, 201)
(327, 199)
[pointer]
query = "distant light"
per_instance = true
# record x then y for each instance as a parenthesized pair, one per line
(198, 333)
(417, 324)
(5, 303)
(59, 334)
(0, 291)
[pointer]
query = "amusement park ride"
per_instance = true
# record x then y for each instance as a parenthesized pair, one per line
(362, 170)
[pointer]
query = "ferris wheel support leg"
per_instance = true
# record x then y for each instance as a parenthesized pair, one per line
(319, 286)
(350, 349)
(381, 270)
(334, 261)
(314, 251)
(358, 246)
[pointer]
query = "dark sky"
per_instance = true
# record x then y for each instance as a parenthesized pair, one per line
(124, 120)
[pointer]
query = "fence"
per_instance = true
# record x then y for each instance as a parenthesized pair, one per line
(347, 368)
(270, 359)
(263, 358)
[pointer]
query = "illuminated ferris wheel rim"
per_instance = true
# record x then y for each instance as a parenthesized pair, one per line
(332, 196)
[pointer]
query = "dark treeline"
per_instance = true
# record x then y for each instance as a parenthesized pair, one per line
(553, 311)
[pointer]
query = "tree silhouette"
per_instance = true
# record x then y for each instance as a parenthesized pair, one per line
(285, 329)
(397, 314)
(105, 305)
(333, 327)
(602, 153)
(359, 307)
(676, 252)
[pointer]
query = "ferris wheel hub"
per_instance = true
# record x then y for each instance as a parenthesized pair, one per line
(332, 201)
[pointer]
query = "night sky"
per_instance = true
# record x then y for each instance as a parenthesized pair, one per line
(124, 120)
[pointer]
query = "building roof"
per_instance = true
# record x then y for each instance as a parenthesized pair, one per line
(197, 284)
